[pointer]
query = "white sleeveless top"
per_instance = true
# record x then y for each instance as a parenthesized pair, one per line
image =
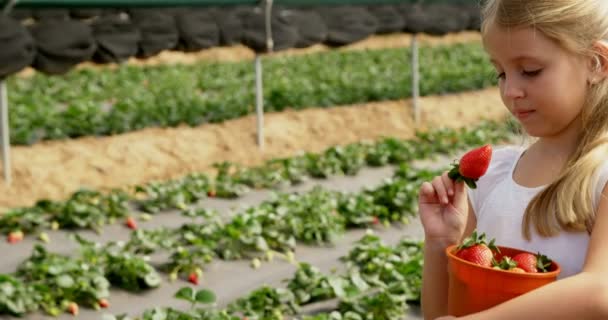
(499, 204)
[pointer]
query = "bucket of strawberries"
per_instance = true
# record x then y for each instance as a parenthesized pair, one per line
(482, 275)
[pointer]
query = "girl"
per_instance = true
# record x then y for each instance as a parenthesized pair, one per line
(551, 197)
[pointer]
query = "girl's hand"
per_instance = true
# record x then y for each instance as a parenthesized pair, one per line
(443, 209)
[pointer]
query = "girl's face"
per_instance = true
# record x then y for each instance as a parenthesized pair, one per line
(543, 85)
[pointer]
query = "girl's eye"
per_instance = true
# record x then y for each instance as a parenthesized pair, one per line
(532, 73)
(500, 76)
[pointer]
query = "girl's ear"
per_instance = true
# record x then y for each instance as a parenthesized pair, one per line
(599, 62)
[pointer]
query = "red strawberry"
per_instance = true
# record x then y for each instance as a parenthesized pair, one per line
(532, 263)
(375, 220)
(194, 275)
(104, 303)
(193, 278)
(131, 223)
(475, 249)
(15, 236)
(73, 308)
(472, 166)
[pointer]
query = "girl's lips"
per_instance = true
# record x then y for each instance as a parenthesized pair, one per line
(521, 115)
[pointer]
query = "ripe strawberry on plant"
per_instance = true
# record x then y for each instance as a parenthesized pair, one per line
(532, 263)
(14, 236)
(73, 308)
(472, 166)
(103, 303)
(131, 223)
(475, 249)
(194, 276)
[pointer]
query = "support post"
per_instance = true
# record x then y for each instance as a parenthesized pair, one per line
(259, 86)
(415, 80)
(4, 132)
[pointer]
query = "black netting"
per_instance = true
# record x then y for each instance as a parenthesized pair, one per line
(347, 24)
(435, 19)
(197, 29)
(284, 33)
(61, 45)
(158, 31)
(51, 14)
(310, 26)
(18, 48)
(389, 18)
(116, 37)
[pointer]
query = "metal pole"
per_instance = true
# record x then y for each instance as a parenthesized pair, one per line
(4, 130)
(415, 80)
(259, 101)
(259, 86)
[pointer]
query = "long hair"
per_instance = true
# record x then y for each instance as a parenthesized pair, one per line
(576, 25)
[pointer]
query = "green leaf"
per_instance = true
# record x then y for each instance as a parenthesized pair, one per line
(185, 293)
(65, 281)
(205, 296)
(152, 279)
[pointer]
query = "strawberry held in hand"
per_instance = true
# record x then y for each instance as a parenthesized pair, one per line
(475, 249)
(472, 166)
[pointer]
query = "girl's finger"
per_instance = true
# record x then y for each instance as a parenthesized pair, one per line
(440, 189)
(427, 193)
(448, 183)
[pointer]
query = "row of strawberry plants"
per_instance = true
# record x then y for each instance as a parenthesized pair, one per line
(378, 283)
(92, 209)
(55, 282)
(105, 102)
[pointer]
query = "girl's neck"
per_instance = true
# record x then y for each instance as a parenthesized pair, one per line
(561, 145)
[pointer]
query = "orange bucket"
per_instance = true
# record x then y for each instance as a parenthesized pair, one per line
(474, 288)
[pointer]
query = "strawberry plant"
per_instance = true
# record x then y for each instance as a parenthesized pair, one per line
(87, 209)
(130, 272)
(150, 241)
(121, 268)
(310, 285)
(386, 304)
(311, 217)
(189, 262)
(360, 210)
(266, 303)
(321, 166)
(58, 279)
(16, 298)
(24, 219)
(177, 194)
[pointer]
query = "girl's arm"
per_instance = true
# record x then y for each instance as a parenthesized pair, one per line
(435, 272)
(583, 296)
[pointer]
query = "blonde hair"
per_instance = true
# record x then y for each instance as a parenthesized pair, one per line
(576, 25)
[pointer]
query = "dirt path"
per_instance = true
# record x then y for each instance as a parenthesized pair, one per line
(58, 168)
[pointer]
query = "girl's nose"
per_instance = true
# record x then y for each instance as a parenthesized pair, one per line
(512, 89)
